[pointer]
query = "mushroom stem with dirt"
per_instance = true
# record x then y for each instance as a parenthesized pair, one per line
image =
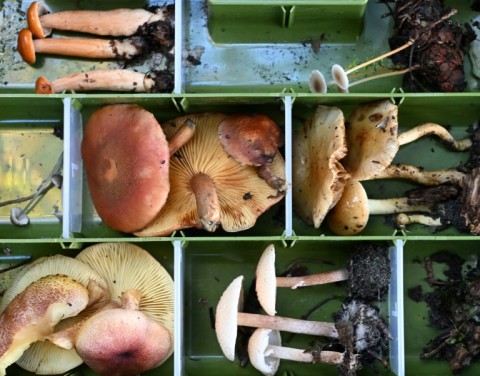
(116, 22)
(265, 351)
(228, 317)
(367, 273)
(108, 80)
(421, 176)
(81, 47)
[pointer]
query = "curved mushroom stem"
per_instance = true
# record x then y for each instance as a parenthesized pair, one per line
(418, 175)
(108, 79)
(116, 22)
(402, 220)
(437, 130)
(275, 182)
(208, 206)
(183, 135)
(87, 48)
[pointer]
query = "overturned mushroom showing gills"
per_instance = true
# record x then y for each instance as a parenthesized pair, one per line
(373, 139)
(228, 317)
(32, 314)
(80, 47)
(116, 22)
(108, 80)
(43, 357)
(253, 140)
(265, 351)
(208, 188)
(367, 274)
(318, 175)
(126, 159)
(123, 341)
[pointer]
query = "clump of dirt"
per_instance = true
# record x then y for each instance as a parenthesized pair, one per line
(454, 309)
(439, 46)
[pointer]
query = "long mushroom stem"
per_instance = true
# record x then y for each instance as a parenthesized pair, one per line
(208, 205)
(419, 175)
(395, 205)
(86, 48)
(108, 79)
(182, 136)
(313, 279)
(299, 355)
(116, 22)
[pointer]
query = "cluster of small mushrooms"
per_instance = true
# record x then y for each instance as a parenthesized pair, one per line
(333, 156)
(110, 307)
(201, 170)
(358, 330)
(137, 32)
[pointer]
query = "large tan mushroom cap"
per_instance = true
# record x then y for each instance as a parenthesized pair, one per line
(318, 175)
(126, 266)
(126, 160)
(350, 215)
(242, 195)
(33, 313)
(44, 357)
(372, 130)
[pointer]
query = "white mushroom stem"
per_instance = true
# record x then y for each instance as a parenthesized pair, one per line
(418, 175)
(437, 130)
(402, 220)
(183, 135)
(313, 279)
(116, 22)
(208, 205)
(395, 205)
(298, 355)
(107, 79)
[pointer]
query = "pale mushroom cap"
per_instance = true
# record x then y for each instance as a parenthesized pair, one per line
(126, 266)
(340, 77)
(33, 313)
(257, 350)
(317, 83)
(230, 303)
(121, 342)
(372, 130)
(243, 196)
(350, 215)
(266, 284)
(251, 140)
(43, 357)
(126, 159)
(318, 175)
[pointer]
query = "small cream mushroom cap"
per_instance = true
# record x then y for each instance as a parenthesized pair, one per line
(126, 266)
(230, 303)
(341, 78)
(317, 83)
(126, 159)
(43, 357)
(242, 195)
(318, 175)
(372, 130)
(257, 350)
(266, 285)
(33, 313)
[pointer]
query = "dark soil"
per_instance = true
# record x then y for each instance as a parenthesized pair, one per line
(439, 46)
(454, 310)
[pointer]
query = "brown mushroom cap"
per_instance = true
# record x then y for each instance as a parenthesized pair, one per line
(126, 266)
(242, 195)
(26, 47)
(372, 144)
(43, 357)
(350, 215)
(251, 140)
(318, 175)
(33, 313)
(126, 160)
(35, 11)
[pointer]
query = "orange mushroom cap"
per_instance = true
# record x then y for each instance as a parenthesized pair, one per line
(25, 46)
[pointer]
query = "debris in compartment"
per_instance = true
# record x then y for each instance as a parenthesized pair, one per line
(439, 48)
(453, 302)
(19, 216)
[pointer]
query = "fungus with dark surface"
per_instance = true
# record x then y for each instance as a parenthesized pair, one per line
(43, 356)
(367, 274)
(126, 160)
(208, 188)
(318, 175)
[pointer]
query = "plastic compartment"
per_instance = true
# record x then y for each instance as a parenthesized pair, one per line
(456, 112)
(273, 21)
(210, 267)
(418, 332)
(163, 252)
(29, 150)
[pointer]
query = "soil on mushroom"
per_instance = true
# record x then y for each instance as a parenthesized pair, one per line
(439, 46)
(454, 309)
